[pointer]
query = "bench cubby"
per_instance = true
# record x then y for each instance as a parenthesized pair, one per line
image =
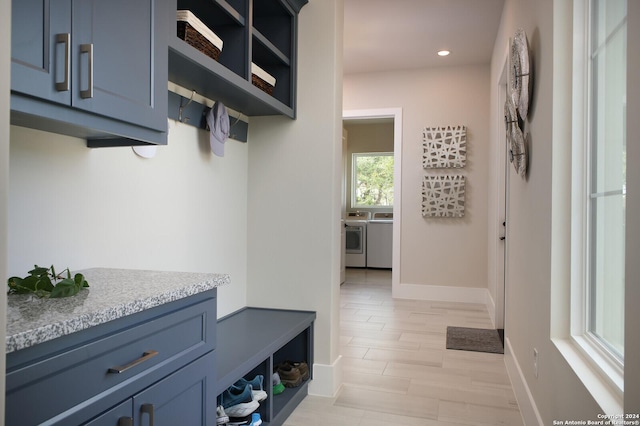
(252, 341)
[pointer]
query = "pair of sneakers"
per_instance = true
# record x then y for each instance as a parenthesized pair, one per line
(243, 397)
(292, 373)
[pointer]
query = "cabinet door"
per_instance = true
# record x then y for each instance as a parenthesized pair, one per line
(119, 67)
(186, 397)
(40, 49)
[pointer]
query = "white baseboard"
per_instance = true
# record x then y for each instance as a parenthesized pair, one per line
(528, 409)
(441, 293)
(327, 379)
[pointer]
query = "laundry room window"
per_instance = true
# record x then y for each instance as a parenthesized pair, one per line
(372, 179)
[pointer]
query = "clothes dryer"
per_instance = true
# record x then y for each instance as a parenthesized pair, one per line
(356, 239)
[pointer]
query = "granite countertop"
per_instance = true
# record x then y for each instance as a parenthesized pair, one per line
(112, 294)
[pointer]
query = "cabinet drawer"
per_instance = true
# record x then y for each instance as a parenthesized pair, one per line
(86, 377)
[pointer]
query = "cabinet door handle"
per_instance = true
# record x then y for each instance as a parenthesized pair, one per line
(88, 48)
(122, 368)
(148, 408)
(66, 39)
(125, 421)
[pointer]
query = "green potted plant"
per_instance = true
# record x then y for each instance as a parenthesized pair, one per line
(45, 282)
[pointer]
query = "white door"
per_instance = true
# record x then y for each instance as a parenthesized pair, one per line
(503, 202)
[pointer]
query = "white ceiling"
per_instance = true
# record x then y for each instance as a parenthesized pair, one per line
(385, 35)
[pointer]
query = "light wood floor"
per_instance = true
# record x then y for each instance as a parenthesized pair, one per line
(397, 370)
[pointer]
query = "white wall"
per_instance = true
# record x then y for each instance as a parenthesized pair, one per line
(437, 254)
(537, 272)
(295, 172)
(184, 210)
(529, 228)
(5, 71)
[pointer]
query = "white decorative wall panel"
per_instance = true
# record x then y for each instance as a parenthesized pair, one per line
(443, 196)
(444, 147)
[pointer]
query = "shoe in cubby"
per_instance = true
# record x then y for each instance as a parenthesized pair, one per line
(302, 367)
(257, 390)
(289, 375)
(238, 402)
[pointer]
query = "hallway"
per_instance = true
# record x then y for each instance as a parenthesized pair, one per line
(396, 370)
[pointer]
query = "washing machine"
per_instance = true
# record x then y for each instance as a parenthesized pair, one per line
(356, 239)
(380, 241)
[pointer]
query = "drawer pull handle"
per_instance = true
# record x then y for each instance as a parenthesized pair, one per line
(87, 94)
(122, 368)
(148, 408)
(125, 421)
(66, 39)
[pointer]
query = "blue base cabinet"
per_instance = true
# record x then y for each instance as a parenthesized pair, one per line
(179, 399)
(90, 68)
(164, 366)
(159, 363)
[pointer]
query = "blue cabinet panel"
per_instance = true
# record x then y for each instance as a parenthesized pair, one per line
(113, 416)
(184, 398)
(40, 49)
(117, 39)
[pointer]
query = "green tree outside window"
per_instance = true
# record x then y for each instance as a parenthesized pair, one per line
(372, 180)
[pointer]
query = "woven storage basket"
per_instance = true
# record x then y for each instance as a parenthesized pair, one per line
(261, 84)
(189, 34)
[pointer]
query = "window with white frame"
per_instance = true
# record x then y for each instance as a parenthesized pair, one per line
(372, 179)
(599, 180)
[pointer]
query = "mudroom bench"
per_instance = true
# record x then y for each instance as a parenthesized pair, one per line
(252, 341)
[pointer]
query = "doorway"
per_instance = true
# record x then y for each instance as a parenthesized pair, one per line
(502, 208)
(395, 114)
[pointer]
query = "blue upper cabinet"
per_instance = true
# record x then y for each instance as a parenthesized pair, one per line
(90, 68)
(41, 63)
(259, 50)
(113, 40)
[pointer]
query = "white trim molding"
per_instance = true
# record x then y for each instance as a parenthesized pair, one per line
(396, 114)
(327, 379)
(528, 408)
(605, 388)
(441, 293)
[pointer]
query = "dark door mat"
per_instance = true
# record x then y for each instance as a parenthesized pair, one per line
(474, 339)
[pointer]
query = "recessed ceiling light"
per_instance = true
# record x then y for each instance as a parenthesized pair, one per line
(444, 53)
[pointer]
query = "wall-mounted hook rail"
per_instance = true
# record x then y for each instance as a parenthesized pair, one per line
(193, 112)
(182, 107)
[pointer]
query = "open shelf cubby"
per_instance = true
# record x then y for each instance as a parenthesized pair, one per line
(263, 32)
(252, 341)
